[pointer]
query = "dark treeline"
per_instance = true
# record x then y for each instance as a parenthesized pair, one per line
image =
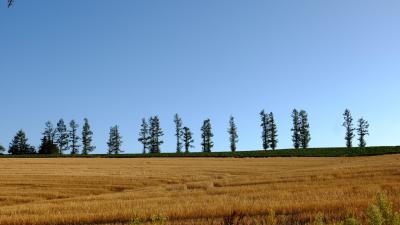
(67, 140)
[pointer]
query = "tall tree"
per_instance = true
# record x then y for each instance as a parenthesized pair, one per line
(362, 131)
(19, 145)
(144, 135)
(155, 135)
(49, 131)
(178, 133)
(73, 137)
(2, 149)
(272, 131)
(62, 136)
(296, 129)
(187, 139)
(207, 135)
(348, 124)
(115, 141)
(304, 130)
(265, 132)
(10, 3)
(87, 134)
(233, 136)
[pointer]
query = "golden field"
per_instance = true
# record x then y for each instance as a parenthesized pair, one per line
(191, 190)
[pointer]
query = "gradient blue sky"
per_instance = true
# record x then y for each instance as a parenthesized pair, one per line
(115, 62)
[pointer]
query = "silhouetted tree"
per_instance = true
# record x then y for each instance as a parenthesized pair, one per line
(144, 135)
(155, 135)
(362, 131)
(272, 131)
(233, 136)
(62, 136)
(73, 137)
(304, 130)
(187, 139)
(48, 147)
(178, 133)
(207, 135)
(296, 129)
(115, 141)
(87, 133)
(10, 3)
(348, 124)
(2, 149)
(19, 145)
(265, 132)
(49, 131)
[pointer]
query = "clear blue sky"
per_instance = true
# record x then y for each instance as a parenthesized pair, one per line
(115, 62)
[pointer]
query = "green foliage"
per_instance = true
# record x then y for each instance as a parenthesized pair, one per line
(73, 137)
(272, 131)
(374, 215)
(206, 136)
(87, 138)
(362, 131)
(187, 139)
(178, 133)
(304, 129)
(48, 147)
(137, 221)
(296, 129)
(62, 136)
(144, 135)
(350, 221)
(319, 219)
(233, 136)
(156, 133)
(19, 145)
(348, 124)
(158, 219)
(114, 141)
(49, 131)
(265, 136)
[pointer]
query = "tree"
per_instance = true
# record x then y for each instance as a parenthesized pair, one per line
(362, 131)
(272, 131)
(348, 124)
(10, 3)
(296, 129)
(187, 139)
(144, 135)
(19, 145)
(155, 135)
(73, 137)
(48, 147)
(178, 133)
(207, 135)
(115, 141)
(2, 149)
(232, 131)
(304, 130)
(62, 136)
(265, 132)
(49, 131)
(87, 133)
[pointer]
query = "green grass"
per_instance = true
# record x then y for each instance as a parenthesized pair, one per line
(311, 152)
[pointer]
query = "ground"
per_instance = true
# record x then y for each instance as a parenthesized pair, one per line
(191, 190)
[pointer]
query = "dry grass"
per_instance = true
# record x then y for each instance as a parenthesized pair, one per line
(191, 190)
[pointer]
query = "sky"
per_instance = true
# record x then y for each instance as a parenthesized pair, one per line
(116, 62)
